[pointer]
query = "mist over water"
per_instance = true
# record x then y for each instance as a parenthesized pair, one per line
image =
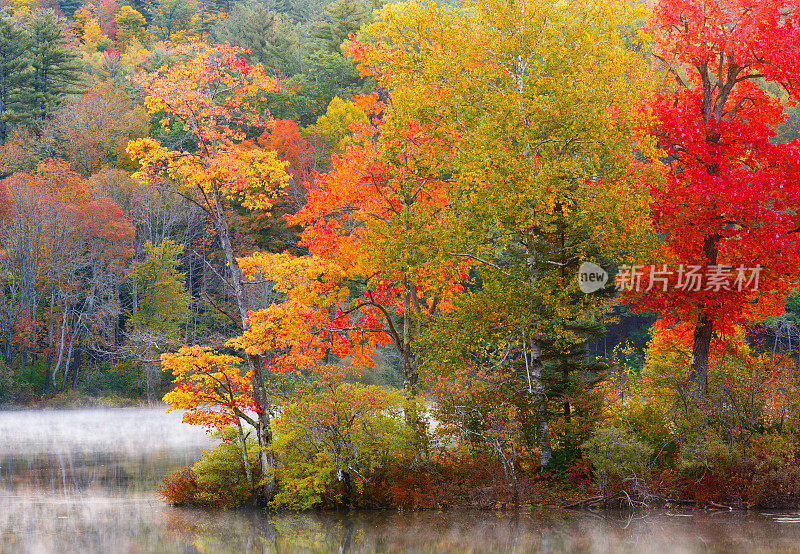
(82, 481)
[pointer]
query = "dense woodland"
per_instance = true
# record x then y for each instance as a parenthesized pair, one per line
(345, 237)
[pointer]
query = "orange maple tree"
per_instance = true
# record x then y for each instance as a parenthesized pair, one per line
(213, 94)
(376, 269)
(213, 392)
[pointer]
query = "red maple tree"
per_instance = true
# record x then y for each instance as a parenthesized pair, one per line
(728, 205)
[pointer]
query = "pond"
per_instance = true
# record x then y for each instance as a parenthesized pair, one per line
(83, 480)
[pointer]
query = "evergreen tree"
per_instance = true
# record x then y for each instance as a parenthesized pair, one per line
(56, 63)
(342, 18)
(296, 11)
(270, 38)
(162, 308)
(69, 7)
(305, 96)
(170, 17)
(15, 73)
(570, 373)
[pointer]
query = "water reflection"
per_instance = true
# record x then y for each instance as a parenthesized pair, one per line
(82, 481)
(546, 532)
(106, 524)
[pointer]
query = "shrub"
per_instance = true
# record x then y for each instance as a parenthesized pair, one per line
(334, 438)
(773, 472)
(220, 473)
(180, 488)
(218, 478)
(617, 454)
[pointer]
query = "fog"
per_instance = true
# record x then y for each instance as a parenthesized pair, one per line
(82, 481)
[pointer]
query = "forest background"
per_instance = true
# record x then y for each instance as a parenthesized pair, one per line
(345, 237)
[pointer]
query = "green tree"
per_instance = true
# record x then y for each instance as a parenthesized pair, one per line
(15, 72)
(170, 17)
(335, 437)
(305, 96)
(334, 125)
(162, 301)
(271, 40)
(342, 18)
(55, 60)
(162, 308)
(69, 7)
(537, 97)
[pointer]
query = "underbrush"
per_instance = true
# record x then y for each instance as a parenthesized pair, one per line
(737, 445)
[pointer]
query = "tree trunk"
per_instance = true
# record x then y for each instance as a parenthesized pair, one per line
(698, 374)
(410, 376)
(266, 491)
(537, 389)
(77, 361)
(62, 345)
(701, 345)
(347, 484)
(50, 337)
(246, 459)
(565, 385)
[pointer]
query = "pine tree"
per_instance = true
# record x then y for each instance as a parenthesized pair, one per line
(170, 17)
(270, 38)
(69, 7)
(343, 17)
(15, 73)
(55, 61)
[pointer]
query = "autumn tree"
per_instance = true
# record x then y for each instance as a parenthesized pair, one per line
(82, 15)
(130, 25)
(94, 129)
(376, 214)
(337, 437)
(210, 92)
(93, 38)
(65, 252)
(545, 173)
(214, 392)
(284, 137)
(106, 13)
(332, 131)
(728, 208)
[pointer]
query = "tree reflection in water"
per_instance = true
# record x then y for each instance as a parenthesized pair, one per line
(82, 481)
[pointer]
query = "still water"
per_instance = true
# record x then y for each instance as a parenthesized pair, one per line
(82, 481)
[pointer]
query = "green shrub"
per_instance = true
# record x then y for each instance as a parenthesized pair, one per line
(220, 473)
(617, 454)
(218, 478)
(101, 380)
(334, 438)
